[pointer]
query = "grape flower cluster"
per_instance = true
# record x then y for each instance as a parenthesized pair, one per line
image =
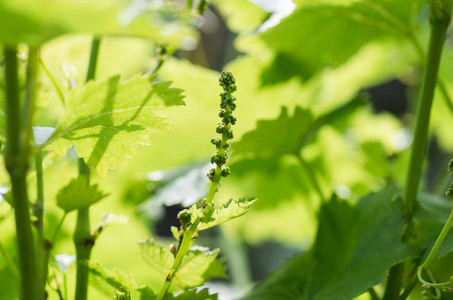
(227, 107)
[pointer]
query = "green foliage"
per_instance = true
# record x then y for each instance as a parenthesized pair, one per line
(78, 194)
(218, 215)
(200, 264)
(366, 21)
(354, 248)
(106, 120)
(36, 22)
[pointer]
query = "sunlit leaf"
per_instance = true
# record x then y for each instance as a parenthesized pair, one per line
(229, 211)
(116, 278)
(35, 22)
(199, 264)
(78, 194)
(106, 120)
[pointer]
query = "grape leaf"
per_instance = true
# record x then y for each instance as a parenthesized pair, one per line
(78, 194)
(364, 20)
(230, 210)
(199, 264)
(194, 295)
(124, 284)
(107, 119)
(116, 278)
(286, 132)
(354, 248)
(36, 21)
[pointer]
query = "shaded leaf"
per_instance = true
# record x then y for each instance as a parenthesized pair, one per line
(276, 137)
(78, 194)
(366, 21)
(106, 120)
(354, 248)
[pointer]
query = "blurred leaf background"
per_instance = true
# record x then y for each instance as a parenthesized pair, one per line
(326, 90)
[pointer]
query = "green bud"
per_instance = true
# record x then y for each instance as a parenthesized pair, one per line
(220, 128)
(229, 135)
(173, 249)
(211, 174)
(208, 210)
(449, 192)
(450, 166)
(216, 141)
(225, 171)
(226, 146)
(184, 216)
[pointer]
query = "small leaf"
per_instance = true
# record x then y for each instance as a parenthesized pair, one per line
(156, 256)
(119, 280)
(106, 120)
(199, 264)
(230, 210)
(194, 295)
(78, 194)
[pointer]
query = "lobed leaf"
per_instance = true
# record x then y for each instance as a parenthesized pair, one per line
(199, 264)
(354, 248)
(118, 279)
(107, 119)
(124, 284)
(195, 295)
(230, 210)
(78, 194)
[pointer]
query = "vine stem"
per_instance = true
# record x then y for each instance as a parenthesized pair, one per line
(83, 239)
(189, 233)
(440, 239)
(17, 156)
(43, 247)
(439, 23)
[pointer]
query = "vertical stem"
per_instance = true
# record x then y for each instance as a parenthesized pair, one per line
(16, 162)
(43, 247)
(95, 45)
(83, 239)
(189, 5)
(439, 22)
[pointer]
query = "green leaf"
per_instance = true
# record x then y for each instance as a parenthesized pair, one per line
(322, 32)
(156, 256)
(107, 119)
(78, 194)
(146, 293)
(36, 21)
(119, 280)
(274, 138)
(230, 210)
(354, 248)
(194, 295)
(199, 264)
